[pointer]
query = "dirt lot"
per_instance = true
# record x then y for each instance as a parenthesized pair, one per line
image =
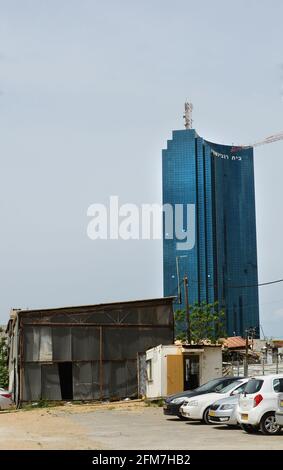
(120, 426)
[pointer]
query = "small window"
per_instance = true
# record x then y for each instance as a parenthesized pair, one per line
(149, 370)
(253, 386)
(278, 385)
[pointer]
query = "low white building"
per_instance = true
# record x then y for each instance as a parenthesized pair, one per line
(174, 368)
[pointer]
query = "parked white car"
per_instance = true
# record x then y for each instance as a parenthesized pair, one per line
(258, 404)
(5, 399)
(197, 408)
(279, 412)
(224, 411)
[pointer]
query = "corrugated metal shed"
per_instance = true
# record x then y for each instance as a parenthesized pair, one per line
(84, 352)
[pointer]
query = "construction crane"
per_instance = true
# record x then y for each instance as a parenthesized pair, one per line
(267, 140)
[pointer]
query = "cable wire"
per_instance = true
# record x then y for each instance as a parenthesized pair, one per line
(257, 285)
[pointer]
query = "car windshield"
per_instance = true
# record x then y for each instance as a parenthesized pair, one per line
(209, 386)
(230, 387)
(253, 386)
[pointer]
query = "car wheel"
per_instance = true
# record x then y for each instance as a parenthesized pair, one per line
(205, 417)
(249, 428)
(268, 424)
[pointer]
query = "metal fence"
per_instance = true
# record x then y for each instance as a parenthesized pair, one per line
(261, 368)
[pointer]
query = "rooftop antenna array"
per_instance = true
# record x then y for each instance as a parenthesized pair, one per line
(188, 115)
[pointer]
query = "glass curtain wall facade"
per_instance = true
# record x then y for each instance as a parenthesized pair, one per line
(222, 265)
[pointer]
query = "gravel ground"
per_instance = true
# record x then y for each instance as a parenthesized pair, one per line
(120, 426)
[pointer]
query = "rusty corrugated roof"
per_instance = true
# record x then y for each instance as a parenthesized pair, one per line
(234, 342)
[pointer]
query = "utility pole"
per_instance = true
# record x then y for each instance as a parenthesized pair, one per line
(178, 277)
(178, 280)
(247, 354)
(187, 309)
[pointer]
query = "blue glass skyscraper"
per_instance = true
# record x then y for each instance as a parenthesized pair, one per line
(222, 265)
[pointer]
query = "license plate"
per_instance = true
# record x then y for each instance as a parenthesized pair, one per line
(211, 413)
(281, 403)
(244, 416)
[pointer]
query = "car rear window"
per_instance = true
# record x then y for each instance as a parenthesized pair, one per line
(278, 385)
(253, 386)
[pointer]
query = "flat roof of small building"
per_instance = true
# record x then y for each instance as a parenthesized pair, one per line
(197, 347)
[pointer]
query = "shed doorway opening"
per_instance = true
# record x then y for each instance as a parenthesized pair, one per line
(191, 375)
(66, 380)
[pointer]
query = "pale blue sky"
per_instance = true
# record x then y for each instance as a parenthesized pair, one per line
(90, 91)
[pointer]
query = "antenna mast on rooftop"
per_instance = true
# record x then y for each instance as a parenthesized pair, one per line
(188, 115)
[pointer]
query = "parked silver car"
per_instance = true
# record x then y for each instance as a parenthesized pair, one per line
(224, 411)
(279, 412)
(5, 399)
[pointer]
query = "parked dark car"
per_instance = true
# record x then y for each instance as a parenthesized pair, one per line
(173, 402)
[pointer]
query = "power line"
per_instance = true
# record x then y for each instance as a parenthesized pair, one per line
(257, 285)
(174, 292)
(239, 286)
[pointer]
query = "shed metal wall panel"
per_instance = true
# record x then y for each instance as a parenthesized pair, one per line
(149, 338)
(31, 343)
(45, 344)
(86, 381)
(85, 343)
(61, 344)
(32, 382)
(114, 380)
(50, 382)
(119, 379)
(131, 369)
(37, 343)
(119, 344)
